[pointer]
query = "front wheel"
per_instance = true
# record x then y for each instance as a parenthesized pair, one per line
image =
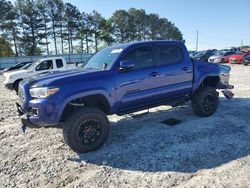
(86, 129)
(205, 102)
(16, 85)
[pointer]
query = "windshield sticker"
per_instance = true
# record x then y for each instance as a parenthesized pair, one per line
(115, 51)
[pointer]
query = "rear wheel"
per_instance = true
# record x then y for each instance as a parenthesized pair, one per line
(205, 102)
(86, 129)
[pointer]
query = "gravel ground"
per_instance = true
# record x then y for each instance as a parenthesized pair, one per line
(141, 152)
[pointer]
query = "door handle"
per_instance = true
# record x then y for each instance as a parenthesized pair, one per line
(186, 69)
(154, 74)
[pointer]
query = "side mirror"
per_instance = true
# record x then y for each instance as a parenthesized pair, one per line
(126, 65)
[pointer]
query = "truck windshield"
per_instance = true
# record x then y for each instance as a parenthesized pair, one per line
(103, 59)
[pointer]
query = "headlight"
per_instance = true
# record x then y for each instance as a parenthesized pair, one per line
(42, 92)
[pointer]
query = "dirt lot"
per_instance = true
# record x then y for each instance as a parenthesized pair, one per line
(142, 152)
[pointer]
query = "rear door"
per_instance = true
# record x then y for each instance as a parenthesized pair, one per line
(176, 71)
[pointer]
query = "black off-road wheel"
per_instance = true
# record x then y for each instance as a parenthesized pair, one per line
(86, 129)
(205, 102)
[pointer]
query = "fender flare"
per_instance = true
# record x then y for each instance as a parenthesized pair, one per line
(85, 94)
(198, 81)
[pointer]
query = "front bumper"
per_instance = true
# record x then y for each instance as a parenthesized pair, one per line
(24, 116)
(38, 112)
(43, 117)
(235, 61)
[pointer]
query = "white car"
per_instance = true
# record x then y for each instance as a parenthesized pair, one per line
(220, 57)
(43, 66)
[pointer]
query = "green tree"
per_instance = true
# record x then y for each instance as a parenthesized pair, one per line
(138, 24)
(168, 31)
(97, 23)
(60, 21)
(84, 32)
(72, 16)
(120, 19)
(5, 48)
(9, 23)
(42, 6)
(53, 15)
(153, 26)
(106, 32)
(32, 25)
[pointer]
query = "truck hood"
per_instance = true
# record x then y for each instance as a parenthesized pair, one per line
(16, 72)
(44, 79)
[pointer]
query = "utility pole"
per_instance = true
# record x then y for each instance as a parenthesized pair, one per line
(197, 40)
(241, 42)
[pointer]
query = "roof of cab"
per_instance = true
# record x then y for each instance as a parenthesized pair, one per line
(50, 58)
(153, 42)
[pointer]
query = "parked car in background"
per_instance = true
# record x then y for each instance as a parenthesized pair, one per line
(193, 53)
(220, 57)
(204, 55)
(232, 49)
(43, 66)
(17, 66)
(226, 56)
(246, 60)
(238, 57)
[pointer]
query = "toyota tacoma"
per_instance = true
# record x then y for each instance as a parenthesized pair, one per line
(121, 79)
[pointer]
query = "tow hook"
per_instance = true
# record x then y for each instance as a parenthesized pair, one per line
(227, 93)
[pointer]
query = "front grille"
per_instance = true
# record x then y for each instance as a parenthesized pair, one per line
(21, 94)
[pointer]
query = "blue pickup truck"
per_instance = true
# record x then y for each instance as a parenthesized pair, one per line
(119, 80)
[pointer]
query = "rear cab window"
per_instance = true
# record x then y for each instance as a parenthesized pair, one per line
(59, 63)
(168, 55)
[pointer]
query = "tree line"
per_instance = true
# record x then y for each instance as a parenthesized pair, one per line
(35, 27)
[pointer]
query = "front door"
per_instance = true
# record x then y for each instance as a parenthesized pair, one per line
(138, 86)
(44, 67)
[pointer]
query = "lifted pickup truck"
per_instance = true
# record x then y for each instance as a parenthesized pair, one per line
(43, 66)
(119, 80)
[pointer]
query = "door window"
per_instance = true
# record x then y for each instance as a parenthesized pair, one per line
(45, 65)
(142, 58)
(170, 55)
